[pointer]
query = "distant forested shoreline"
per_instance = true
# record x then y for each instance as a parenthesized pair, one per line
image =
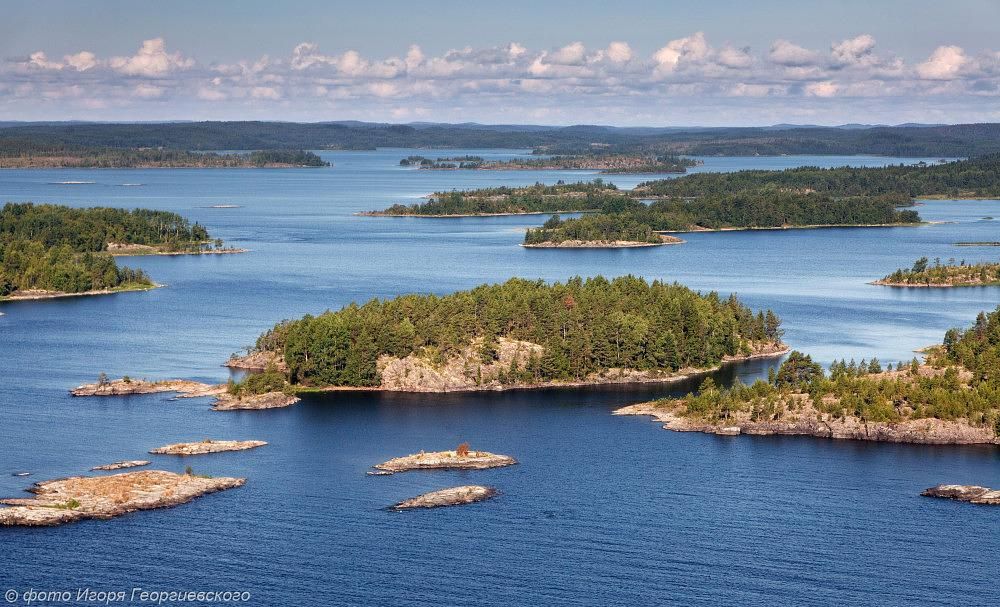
(949, 141)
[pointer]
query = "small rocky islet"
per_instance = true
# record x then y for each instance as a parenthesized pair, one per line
(458, 459)
(68, 500)
(207, 446)
(453, 496)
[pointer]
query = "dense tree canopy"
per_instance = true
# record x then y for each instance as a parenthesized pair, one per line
(539, 198)
(752, 209)
(57, 248)
(583, 326)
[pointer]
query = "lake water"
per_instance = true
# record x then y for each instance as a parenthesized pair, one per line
(602, 510)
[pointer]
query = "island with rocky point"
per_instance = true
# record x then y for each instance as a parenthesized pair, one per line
(948, 399)
(972, 494)
(256, 392)
(924, 274)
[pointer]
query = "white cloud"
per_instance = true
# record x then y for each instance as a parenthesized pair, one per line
(735, 58)
(147, 91)
(945, 63)
(692, 48)
(151, 60)
(211, 94)
(265, 92)
(610, 81)
(822, 89)
(82, 61)
(619, 52)
(571, 54)
(39, 60)
(789, 54)
(853, 50)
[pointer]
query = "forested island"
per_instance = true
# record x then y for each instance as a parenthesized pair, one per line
(791, 198)
(605, 163)
(521, 333)
(800, 197)
(596, 195)
(54, 251)
(953, 398)
(973, 178)
(766, 209)
(938, 275)
(21, 154)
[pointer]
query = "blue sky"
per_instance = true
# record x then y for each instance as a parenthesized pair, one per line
(623, 62)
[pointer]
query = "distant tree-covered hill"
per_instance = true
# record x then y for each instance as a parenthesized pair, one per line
(948, 141)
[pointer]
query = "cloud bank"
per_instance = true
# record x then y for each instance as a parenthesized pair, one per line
(687, 80)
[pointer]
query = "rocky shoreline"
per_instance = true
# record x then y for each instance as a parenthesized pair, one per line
(809, 422)
(446, 460)
(604, 244)
(972, 494)
(37, 294)
(136, 250)
(454, 496)
(466, 372)
(133, 463)
(207, 446)
(77, 498)
(932, 285)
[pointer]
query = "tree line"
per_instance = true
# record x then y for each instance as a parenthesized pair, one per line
(583, 325)
(974, 177)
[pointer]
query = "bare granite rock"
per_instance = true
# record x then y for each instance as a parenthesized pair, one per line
(973, 494)
(454, 496)
(268, 400)
(188, 389)
(207, 446)
(123, 387)
(102, 497)
(134, 463)
(806, 420)
(446, 460)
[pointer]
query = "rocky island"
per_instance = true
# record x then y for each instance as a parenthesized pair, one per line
(972, 494)
(253, 393)
(102, 497)
(454, 496)
(461, 458)
(520, 334)
(943, 276)
(947, 400)
(134, 463)
(207, 446)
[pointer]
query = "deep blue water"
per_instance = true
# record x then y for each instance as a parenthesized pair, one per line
(602, 510)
